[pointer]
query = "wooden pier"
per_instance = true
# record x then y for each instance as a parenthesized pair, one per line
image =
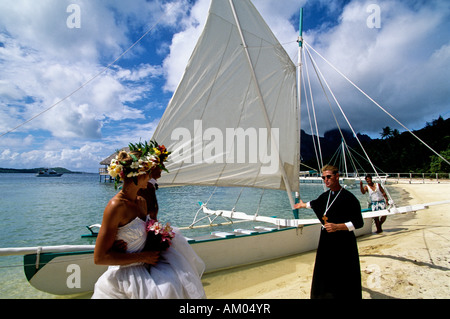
(103, 173)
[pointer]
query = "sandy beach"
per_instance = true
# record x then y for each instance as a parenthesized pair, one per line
(409, 260)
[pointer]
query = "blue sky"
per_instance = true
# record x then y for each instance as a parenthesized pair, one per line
(404, 65)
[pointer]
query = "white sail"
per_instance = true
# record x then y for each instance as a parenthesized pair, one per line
(233, 120)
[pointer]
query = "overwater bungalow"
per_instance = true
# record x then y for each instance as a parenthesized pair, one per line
(103, 171)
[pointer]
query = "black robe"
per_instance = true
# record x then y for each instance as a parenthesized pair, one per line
(337, 271)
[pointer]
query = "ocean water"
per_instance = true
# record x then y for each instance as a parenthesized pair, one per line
(54, 211)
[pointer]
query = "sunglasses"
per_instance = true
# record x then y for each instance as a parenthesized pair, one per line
(327, 176)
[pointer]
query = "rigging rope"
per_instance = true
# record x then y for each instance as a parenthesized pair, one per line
(346, 119)
(319, 156)
(318, 72)
(373, 101)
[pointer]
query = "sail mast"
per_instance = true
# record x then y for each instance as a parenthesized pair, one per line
(299, 70)
(262, 104)
(299, 93)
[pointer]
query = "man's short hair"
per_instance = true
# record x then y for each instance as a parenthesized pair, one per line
(329, 167)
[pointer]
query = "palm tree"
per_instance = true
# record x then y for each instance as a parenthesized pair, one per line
(387, 132)
(395, 133)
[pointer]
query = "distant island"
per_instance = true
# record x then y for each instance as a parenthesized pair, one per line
(35, 170)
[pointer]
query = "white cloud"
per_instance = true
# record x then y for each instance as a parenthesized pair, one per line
(32, 71)
(85, 157)
(183, 44)
(143, 71)
(48, 83)
(8, 156)
(42, 26)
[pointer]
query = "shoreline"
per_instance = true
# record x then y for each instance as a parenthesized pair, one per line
(409, 260)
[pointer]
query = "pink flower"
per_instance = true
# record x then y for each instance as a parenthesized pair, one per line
(159, 237)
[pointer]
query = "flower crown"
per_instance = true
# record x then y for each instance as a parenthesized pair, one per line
(152, 155)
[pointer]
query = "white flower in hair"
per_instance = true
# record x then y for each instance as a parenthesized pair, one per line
(134, 165)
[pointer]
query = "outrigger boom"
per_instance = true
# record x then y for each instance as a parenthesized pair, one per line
(283, 222)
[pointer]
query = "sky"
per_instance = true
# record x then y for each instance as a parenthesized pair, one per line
(71, 93)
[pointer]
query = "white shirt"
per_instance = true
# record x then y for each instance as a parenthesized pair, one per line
(348, 224)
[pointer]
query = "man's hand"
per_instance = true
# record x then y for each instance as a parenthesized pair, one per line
(301, 204)
(151, 257)
(120, 246)
(331, 228)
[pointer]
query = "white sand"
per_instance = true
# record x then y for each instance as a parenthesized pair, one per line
(410, 259)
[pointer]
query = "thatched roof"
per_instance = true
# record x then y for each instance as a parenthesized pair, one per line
(107, 160)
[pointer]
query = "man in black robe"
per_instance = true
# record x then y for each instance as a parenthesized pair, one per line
(337, 271)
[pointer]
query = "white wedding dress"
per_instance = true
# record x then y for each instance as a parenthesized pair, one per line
(176, 275)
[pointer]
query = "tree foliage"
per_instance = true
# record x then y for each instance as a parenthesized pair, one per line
(404, 153)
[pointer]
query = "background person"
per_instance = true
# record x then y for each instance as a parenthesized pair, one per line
(378, 199)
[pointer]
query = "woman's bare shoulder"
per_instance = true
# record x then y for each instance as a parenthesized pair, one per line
(116, 209)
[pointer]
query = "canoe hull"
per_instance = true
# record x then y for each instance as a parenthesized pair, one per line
(67, 273)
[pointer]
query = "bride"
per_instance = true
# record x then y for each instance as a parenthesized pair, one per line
(135, 273)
